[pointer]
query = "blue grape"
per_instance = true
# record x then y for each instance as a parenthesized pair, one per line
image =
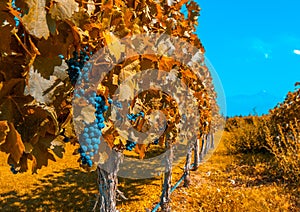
(83, 160)
(130, 145)
(101, 125)
(90, 148)
(84, 148)
(105, 107)
(133, 117)
(85, 135)
(90, 163)
(75, 65)
(94, 140)
(90, 139)
(98, 141)
(80, 150)
(66, 139)
(12, 169)
(13, 5)
(96, 147)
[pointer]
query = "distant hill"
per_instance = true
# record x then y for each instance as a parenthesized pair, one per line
(259, 104)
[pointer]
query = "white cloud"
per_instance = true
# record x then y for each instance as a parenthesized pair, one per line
(296, 51)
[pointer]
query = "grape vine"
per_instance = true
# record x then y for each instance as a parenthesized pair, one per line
(36, 96)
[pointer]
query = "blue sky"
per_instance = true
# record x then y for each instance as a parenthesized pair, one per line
(254, 47)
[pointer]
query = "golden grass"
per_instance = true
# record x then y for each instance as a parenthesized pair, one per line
(63, 185)
(223, 183)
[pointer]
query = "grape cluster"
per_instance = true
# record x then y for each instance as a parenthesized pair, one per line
(90, 138)
(133, 117)
(130, 145)
(12, 169)
(85, 159)
(101, 107)
(77, 63)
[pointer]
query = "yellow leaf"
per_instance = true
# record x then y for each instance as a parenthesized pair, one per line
(114, 45)
(63, 9)
(115, 79)
(35, 21)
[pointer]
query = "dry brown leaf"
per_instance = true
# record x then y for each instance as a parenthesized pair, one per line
(42, 155)
(13, 144)
(4, 129)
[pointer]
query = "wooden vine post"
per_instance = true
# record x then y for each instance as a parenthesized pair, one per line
(212, 139)
(108, 182)
(187, 166)
(167, 185)
(197, 152)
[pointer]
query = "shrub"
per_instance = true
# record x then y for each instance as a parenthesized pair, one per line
(286, 149)
(246, 134)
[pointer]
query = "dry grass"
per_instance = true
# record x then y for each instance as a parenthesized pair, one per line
(224, 183)
(61, 186)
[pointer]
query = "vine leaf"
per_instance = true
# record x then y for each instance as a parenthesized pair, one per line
(41, 89)
(41, 155)
(88, 113)
(4, 129)
(63, 9)
(13, 86)
(13, 144)
(12, 100)
(90, 7)
(7, 24)
(171, 2)
(51, 48)
(35, 21)
(58, 146)
(114, 45)
(40, 121)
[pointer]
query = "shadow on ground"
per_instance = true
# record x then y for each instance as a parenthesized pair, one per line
(70, 189)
